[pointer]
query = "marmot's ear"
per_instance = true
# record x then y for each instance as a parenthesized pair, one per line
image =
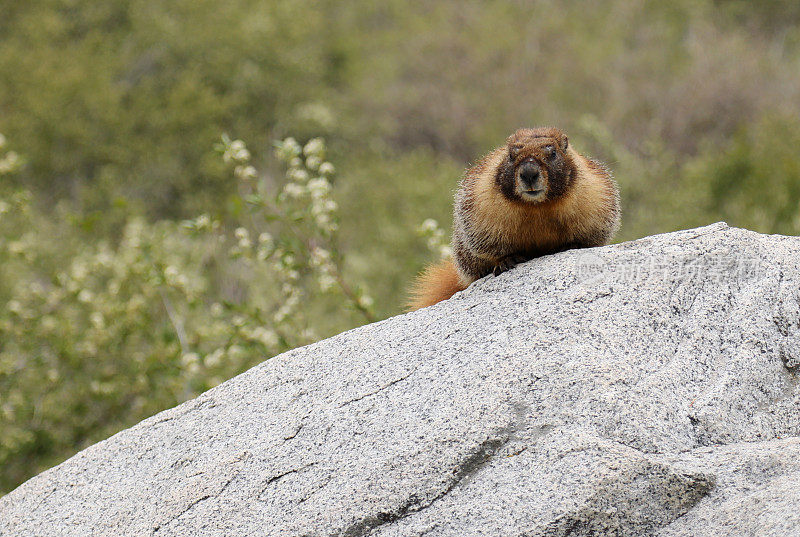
(564, 142)
(513, 146)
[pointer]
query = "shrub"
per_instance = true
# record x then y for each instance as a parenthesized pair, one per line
(97, 335)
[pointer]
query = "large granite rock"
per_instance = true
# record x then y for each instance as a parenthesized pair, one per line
(645, 388)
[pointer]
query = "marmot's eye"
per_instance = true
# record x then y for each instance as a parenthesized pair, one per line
(551, 152)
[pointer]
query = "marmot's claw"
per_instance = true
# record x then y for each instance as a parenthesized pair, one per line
(507, 263)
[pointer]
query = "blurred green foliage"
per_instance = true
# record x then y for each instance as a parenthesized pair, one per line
(97, 333)
(114, 309)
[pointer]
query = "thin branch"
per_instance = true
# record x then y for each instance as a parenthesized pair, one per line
(352, 296)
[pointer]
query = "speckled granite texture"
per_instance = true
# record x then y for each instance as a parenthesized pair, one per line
(644, 388)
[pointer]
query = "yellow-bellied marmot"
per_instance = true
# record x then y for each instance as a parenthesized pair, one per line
(533, 197)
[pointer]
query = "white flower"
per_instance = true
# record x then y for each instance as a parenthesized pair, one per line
(366, 301)
(36, 288)
(173, 277)
(104, 259)
(244, 172)
(85, 296)
(290, 302)
(241, 233)
(297, 175)
(14, 306)
(9, 163)
(49, 323)
(320, 256)
(428, 226)
(214, 359)
(237, 151)
(190, 358)
(235, 352)
(203, 221)
(326, 282)
(97, 320)
(287, 149)
(294, 190)
(134, 304)
(308, 334)
(268, 338)
(291, 146)
(326, 225)
(265, 238)
(319, 187)
(313, 162)
(326, 168)
(314, 147)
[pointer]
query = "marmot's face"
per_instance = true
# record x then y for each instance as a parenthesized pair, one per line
(539, 166)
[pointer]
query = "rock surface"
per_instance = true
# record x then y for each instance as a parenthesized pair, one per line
(645, 388)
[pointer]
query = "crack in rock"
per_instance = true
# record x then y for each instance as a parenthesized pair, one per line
(413, 504)
(379, 390)
(180, 514)
(461, 475)
(192, 504)
(275, 478)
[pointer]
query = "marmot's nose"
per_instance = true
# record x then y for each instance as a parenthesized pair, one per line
(529, 175)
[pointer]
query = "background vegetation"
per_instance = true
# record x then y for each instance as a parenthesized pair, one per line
(143, 259)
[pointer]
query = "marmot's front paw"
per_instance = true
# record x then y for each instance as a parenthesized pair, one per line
(508, 263)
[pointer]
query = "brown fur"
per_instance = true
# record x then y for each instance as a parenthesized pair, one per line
(439, 281)
(541, 226)
(496, 225)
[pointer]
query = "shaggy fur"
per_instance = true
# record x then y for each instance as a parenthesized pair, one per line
(501, 218)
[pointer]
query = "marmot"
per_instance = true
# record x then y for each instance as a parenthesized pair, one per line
(533, 197)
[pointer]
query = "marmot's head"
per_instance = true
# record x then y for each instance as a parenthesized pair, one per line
(538, 167)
